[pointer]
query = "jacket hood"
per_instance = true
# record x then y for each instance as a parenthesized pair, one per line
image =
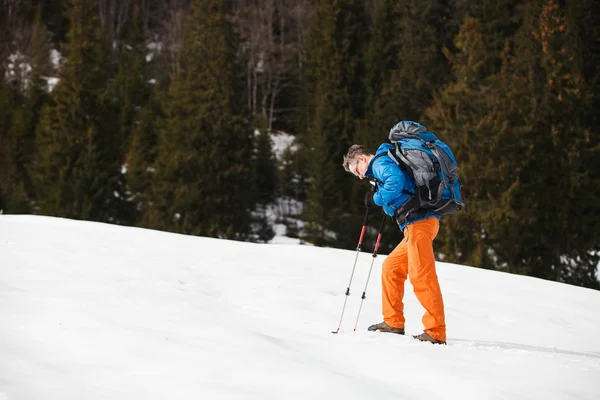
(383, 149)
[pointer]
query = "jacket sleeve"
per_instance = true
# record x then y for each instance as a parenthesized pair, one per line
(392, 185)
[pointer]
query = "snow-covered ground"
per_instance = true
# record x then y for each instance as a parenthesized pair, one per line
(281, 141)
(96, 311)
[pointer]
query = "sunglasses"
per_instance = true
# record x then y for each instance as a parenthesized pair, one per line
(354, 169)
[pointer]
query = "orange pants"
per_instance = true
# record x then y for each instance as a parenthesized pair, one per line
(414, 257)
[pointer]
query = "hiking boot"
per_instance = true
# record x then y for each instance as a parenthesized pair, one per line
(426, 337)
(383, 327)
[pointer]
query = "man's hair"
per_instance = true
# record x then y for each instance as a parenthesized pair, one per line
(353, 152)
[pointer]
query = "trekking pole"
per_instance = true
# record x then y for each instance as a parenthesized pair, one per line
(364, 294)
(358, 247)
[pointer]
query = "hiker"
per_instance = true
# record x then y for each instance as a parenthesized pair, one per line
(413, 257)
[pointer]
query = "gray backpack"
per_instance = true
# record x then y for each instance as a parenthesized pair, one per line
(431, 164)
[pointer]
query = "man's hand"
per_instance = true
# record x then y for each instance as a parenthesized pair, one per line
(369, 198)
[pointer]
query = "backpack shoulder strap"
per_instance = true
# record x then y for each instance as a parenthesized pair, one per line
(373, 161)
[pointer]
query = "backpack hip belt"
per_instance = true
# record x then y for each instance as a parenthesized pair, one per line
(409, 211)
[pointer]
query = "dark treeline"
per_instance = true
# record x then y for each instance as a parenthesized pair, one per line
(161, 114)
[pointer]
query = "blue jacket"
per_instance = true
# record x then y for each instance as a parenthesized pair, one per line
(394, 185)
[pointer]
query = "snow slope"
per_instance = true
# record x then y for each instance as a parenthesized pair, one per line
(95, 311)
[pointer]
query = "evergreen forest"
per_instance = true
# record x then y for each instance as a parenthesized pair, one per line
(163, 114)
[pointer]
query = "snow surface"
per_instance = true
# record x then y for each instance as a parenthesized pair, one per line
(18, 68)
(281, 142)
(97, 311)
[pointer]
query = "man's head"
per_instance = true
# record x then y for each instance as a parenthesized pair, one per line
(357, 160)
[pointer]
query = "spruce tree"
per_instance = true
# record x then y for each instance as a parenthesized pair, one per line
(132, 91)
(6, 167)
(564, 144)
(465, 114)
(130, 85)
(78, 158)
(265, 171)
(335, 98)
(26, 93)
(524, 151)
(265, 165)
(141, 158)
(406, 63)
(421, 65)
(204, 182)
(381, 60)
(498, 21)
